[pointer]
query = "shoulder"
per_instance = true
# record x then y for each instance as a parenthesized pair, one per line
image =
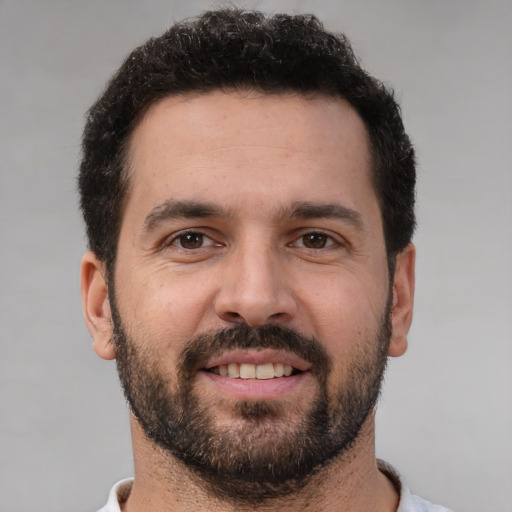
(412, 503)
(118, 494)
(408, 502)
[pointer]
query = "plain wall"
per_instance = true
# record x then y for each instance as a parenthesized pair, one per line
(445, 419)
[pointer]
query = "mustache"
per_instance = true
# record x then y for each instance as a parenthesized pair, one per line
(241, 336)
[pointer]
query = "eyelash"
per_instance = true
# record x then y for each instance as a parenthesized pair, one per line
(329, 240)
(178, 240)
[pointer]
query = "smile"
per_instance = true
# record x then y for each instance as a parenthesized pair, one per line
(264, 371)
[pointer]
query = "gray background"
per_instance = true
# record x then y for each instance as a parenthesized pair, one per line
(446, 415)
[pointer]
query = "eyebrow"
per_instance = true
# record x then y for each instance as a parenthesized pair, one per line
(308, 210)
(171, 210)
(175, 209)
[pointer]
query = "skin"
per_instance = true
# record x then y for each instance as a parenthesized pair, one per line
(254, 158)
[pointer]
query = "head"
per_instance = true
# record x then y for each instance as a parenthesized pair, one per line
(229, 50)
(248, 191)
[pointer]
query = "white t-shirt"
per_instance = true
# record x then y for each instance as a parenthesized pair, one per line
(408, 502)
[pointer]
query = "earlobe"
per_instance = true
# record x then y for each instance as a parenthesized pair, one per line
(403, 300)
(96, 306)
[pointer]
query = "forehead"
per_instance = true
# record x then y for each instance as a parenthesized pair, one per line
(255, 144)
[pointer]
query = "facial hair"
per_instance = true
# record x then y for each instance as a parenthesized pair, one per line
(264, 456)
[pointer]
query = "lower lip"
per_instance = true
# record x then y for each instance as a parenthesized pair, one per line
(254, 389)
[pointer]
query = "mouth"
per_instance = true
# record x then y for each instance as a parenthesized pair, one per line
(265, 371)
(256, 374)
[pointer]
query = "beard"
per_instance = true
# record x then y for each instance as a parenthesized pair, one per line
(263, 455)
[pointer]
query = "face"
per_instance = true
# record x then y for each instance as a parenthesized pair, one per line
(252, 301)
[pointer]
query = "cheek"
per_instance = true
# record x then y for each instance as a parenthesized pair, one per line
(343, 310)
(164, 310)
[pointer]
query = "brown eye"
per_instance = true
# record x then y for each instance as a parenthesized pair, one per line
(190, 241)
(315, 240)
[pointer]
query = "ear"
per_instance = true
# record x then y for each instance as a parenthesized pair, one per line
(96, 306)
(403, 300)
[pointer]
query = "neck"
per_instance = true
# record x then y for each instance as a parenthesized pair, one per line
(351, 483)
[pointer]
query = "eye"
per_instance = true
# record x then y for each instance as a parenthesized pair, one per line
(314, 240)
(192, 240)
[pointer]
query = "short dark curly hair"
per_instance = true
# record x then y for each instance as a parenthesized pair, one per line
(230, 49)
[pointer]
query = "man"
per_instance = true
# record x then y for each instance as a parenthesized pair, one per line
(248, 192)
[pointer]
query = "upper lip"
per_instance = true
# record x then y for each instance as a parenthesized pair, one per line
(254, 356)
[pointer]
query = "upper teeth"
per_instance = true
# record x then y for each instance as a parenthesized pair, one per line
(253, 371)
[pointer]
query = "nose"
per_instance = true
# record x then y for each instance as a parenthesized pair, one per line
(253, 288)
